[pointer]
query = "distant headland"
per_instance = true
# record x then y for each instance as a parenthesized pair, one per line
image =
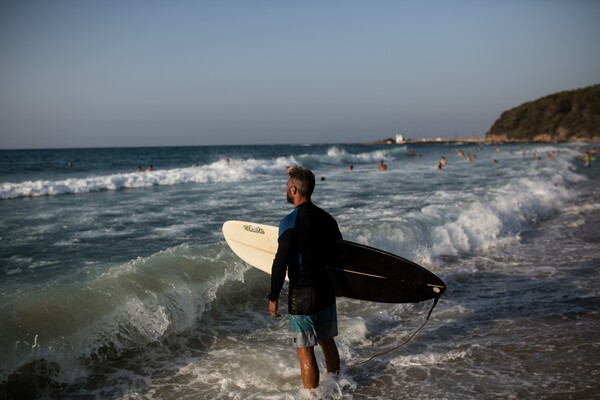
(572, 115)
(569, 116)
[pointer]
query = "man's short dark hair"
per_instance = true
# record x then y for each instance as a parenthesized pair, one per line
(303, 179)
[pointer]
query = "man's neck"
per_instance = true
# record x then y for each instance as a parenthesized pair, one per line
(298, 202)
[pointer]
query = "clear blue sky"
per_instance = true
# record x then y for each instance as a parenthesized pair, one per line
(131, 73)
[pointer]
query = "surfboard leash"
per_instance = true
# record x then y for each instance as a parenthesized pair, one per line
(435, 301)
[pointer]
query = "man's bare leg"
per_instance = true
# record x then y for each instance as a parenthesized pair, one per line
(332, 357)
(308, 367)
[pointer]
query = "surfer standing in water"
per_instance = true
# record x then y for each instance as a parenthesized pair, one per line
(307, 243)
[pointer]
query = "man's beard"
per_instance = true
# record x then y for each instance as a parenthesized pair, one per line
(289, 197)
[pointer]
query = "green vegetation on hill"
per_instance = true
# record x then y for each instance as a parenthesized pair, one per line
(564, 116)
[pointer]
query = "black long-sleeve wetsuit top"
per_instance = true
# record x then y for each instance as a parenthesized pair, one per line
(307, 244)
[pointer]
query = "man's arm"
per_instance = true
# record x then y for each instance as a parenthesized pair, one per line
(280, 263)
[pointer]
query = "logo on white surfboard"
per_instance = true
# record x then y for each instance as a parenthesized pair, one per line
(254, 229)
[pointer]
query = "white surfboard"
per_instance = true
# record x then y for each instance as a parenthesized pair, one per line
(254, 243)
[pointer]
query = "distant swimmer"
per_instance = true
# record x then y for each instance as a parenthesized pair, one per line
(351, 168)
(149, 168)
(587, 159)
(382, 166)
(138, 169)
(442, 163)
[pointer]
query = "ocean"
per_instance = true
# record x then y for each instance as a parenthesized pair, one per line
(117, 284)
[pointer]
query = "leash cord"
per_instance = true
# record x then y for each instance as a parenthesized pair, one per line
(401, 344)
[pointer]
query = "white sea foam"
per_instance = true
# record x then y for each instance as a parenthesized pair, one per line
(340, 156)
(225, 170)
(428, 358)
(453, 223)
(13, 271)
(503, 216)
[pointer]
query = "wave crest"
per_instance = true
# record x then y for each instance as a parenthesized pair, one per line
(125, 308)
(224, 170)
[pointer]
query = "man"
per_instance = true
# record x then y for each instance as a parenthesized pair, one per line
(307, 243)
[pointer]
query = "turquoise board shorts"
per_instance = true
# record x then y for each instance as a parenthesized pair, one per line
(307, 330)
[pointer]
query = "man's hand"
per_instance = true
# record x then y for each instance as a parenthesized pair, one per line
(273, 305)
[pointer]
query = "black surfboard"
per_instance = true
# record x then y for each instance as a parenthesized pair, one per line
(376, 275)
